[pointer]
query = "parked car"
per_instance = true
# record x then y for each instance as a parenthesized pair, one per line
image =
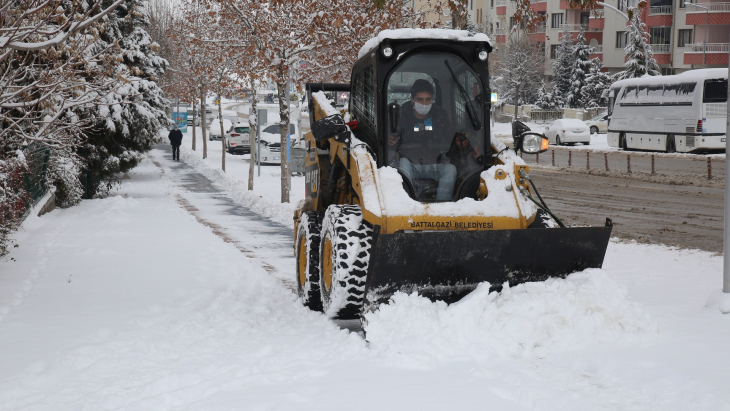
(238, 139)
(214, 133)
(568, 131)
(599, 123)
(270, 148)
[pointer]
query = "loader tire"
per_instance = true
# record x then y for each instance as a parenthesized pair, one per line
(344, 257)
(306, 252)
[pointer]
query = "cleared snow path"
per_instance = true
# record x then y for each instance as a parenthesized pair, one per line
(269, 242)
(145, 301)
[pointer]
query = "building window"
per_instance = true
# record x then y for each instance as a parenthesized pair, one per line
(472, 5)
(492, 3)
(623, 4)
(621, 39)
(554, 51)
(557, 20)
(684, 37)
(584, 16)
(660, 35)
(667, 71)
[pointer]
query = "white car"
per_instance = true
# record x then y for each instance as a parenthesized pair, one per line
(598, 124)
(270, 148)
(214, 133)
(238, 139)
(568, 131)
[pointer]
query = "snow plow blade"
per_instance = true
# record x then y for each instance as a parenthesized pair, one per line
(449, 265)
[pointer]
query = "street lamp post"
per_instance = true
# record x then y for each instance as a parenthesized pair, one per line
(704, 45)
(646, 51)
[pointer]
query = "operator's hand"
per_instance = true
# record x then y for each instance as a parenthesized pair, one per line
(461, 140)
(393, 140)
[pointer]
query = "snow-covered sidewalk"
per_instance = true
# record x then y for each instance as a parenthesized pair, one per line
(131, 303)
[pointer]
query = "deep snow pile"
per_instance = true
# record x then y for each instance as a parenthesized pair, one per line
(529, 320)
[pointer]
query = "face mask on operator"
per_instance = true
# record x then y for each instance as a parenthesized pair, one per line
(422, 109)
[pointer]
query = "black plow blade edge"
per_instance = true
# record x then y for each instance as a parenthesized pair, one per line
(449, 265)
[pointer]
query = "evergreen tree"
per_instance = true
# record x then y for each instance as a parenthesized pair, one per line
(636, 43)
(130, 122)
(545, 99)
(597, 82)
(581, 66)
(562, 67)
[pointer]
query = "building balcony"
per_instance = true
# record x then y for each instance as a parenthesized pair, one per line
(659, 16)
(596, 22)
(500, 35)
(597, 49)
(661, 48)
(656, 10)
(501, 7)
(715, 53)
(662, 53)
(715, 13)
(538, 5)
(573, 27)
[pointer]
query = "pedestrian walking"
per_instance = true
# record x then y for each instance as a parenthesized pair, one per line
(175, 138)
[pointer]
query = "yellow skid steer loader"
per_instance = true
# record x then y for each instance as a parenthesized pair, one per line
(406, 191)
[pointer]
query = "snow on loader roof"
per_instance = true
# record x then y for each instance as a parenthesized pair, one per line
(440, 34)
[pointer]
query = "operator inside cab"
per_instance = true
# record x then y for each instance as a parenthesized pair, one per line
(432, 147)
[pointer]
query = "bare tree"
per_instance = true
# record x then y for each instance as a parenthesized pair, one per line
(519, 66)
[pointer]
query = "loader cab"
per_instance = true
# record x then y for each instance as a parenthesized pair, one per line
(423, 107)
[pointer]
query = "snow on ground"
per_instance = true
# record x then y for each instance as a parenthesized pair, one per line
(129, 303)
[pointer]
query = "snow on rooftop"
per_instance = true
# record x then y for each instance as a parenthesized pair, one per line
(442, 34)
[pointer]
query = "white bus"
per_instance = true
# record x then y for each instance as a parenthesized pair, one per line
(681, 113)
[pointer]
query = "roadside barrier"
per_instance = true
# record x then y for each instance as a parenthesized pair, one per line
(709, 168)
(628, 162)
(570, 158)
(588, 160)
(605, 158)
(553, 157)
(653, 170)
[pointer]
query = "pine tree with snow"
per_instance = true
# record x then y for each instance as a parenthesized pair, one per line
(597, 82)
(545, 99)
(581, 66)
(562, 68)
(130, 121)
(636, 44)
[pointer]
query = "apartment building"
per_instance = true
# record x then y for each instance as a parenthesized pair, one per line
(683, 35)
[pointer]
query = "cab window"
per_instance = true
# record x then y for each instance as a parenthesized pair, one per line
(439, 131)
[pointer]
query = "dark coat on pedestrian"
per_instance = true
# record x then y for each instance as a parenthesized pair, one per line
(175, 137)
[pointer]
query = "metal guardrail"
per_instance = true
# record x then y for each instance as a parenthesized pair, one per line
(708, 48)
(661, 48)
(545, 115)
(712, 7)
(660, 10)
(501, 3)
(597, 49)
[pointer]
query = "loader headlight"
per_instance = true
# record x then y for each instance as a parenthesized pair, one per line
(387, 51)
(483, 55)
(534, 143)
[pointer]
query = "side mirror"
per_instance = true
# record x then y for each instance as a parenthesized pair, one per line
(328, 127)
(393, 113)
(533, 143)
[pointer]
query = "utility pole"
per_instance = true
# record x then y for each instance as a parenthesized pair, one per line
(725, 297)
